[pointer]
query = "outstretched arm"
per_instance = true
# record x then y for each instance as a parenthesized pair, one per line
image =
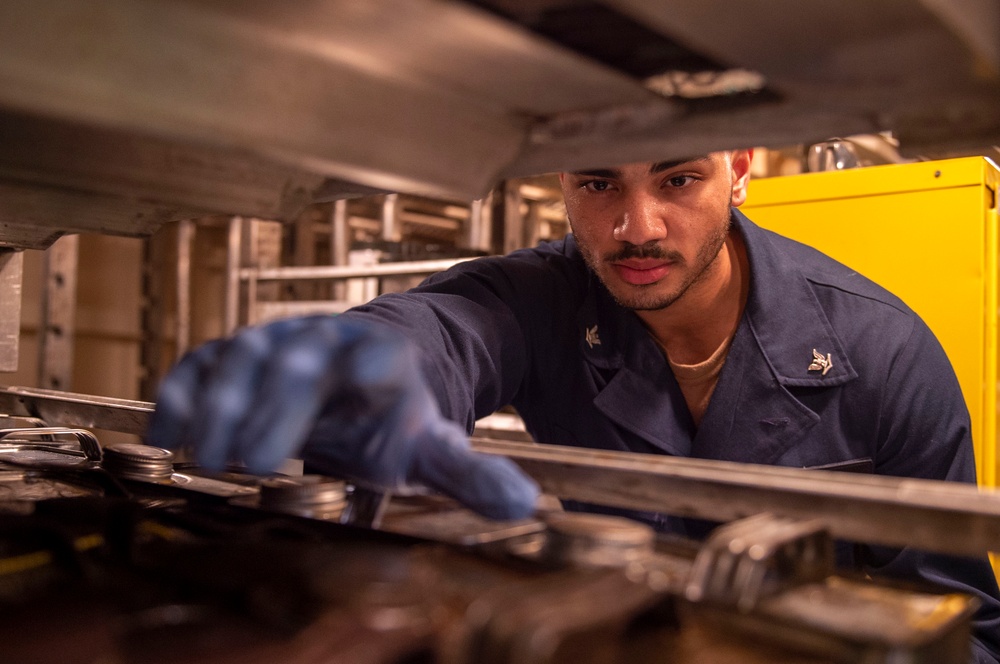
(348, 395)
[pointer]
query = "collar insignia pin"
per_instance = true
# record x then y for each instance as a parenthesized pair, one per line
(820, 363)
(591, 337)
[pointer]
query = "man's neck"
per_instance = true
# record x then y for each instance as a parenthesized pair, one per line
(694, 326)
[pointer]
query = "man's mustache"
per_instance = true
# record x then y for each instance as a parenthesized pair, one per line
(648, 250)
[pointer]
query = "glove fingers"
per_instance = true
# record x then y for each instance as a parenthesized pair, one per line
(178, 396)
(230, 393)
(357, 395)
(491, 485)
(377, 405)
(294, 386)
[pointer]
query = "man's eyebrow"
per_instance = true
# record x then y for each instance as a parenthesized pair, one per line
(661, 166)
(605, 173)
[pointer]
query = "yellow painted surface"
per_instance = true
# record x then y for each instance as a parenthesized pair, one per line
(928, 233)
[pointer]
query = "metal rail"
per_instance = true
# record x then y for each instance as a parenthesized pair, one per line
(936, 516)
(892, 511)
(82, 410)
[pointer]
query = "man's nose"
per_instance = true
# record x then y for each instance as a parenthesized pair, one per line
(640, 221)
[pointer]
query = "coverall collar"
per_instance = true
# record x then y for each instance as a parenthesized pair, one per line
(781, 327)
(786, 318)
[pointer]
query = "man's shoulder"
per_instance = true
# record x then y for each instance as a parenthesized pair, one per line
(796, 282)
(825, 273)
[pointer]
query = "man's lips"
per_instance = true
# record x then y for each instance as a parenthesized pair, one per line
(639, 272)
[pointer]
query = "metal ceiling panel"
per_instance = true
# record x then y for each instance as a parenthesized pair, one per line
(252, 106)
(926, 69)
(420, 95)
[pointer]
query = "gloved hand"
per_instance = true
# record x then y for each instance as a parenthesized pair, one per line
(349, 396)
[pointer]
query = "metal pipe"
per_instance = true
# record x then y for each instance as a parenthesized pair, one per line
(58, 334)
(185, 247)
(479, 223)
(513, 220)
(349, 272)
(391, 231)
(340, 242)
(233, 255)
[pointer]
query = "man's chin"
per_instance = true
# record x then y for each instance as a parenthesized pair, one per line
(641, 298)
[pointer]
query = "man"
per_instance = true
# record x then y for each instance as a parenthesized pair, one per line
(667, 323)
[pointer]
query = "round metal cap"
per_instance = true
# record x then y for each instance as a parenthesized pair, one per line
(138, 462)
(304, 495)
(139, 452)
(595, 540)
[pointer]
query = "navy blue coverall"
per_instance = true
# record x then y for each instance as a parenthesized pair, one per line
(537, 330)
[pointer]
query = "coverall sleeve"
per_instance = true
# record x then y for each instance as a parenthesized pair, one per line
(924, 432)
(468, 332)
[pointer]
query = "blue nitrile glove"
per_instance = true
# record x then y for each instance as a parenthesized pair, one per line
(346, 395)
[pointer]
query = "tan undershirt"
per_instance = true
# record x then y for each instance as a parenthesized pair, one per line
(698, 381)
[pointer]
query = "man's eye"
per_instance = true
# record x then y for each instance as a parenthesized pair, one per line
(597, 185)
(680, 180)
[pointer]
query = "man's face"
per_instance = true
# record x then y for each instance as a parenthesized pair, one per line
(651, 231)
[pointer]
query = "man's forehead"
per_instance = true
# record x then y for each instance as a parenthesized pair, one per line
(652, 167)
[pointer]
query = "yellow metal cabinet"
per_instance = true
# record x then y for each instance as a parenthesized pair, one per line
(927, 232)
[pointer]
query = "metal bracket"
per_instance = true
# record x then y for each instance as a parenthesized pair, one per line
(365, 507)
(747, 560)
(44, 438)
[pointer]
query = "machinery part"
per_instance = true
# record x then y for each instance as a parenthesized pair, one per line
(594, 540)
(139, 462)
(310, 495)
(746, 560)
(935, 516)
(932, 515)
(89, 445)
(365, 507)
(82, 410)
(597, 590)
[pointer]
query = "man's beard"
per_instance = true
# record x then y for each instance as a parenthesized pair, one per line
(644, 297)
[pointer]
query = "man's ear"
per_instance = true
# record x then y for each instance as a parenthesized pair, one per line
(740, 164)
